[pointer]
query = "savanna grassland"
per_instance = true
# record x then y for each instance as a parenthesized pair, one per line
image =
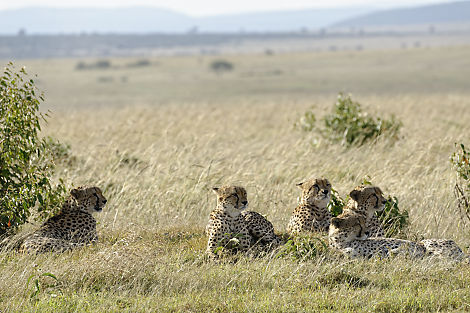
(157, 137)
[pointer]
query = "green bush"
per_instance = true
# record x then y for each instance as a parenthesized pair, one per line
(336, 204)
(460, 160)
(303, 247)
(392, 219)
(26, 163)
(349, 125)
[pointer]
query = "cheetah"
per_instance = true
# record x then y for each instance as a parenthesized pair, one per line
(312, 213)
(261, 230)
(227, 227)
(367, 200)
(74, 226)
(444, 249)
(347, 234)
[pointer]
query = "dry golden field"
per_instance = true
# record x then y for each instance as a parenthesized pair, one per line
(157, 138)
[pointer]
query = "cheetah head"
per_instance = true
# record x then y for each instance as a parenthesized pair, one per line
(231, 198)
(89, 199)
(367, 198)
(348, 227)
(315, 192)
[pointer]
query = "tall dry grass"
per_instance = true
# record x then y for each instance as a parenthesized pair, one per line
(157, 163)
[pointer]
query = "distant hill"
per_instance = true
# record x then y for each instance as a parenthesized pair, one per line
(142, 20)
(455, 12)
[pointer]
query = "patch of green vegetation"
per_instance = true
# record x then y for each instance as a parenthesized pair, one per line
(26, 160)
(336, 203)
(349, 125)
(460, 160)
(304, 247)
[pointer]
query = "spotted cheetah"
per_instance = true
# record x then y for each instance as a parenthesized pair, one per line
(227, 227)
(72, 227)
(234, 229)
(260, 229)
(444, 249)
(367, 200)
(347, 234)
(312, 213)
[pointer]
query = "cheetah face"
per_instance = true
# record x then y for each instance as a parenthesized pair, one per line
(89, 199)
(369, 198)
(231, 198)
(316, 192)
(348, 227)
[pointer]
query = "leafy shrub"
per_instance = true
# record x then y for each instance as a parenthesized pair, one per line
(303, 247)
(26, 162)
(460, 160)
(349, 125)
(336, 204)
(392, 219)
(221, 66)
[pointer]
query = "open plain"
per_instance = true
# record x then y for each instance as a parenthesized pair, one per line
(157, 133)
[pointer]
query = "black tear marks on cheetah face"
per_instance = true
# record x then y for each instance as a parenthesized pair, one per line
(368, 200)
(73, 227)
(347, 234)
(232, 199)
(227, 229)
(312, 213)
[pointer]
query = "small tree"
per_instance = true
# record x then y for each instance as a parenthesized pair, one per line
(461, 163)
(26, 164)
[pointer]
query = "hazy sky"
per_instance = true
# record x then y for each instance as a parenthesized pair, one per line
(209, 7)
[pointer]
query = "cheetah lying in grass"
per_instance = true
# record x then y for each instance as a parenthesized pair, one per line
(73, 227)
(347, 234)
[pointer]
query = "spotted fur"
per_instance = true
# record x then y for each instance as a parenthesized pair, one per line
(367, 200)
(72, 227)
(444, 249)
(312, 213)
(347, 234)
(260, 229)
(227, 227)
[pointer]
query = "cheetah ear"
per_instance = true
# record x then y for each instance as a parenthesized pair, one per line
(299, 185)
(76, 192)
(215, 190)
(354, 194)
